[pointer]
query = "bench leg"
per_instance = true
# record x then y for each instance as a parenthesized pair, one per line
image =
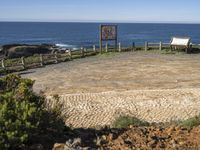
(171, 47)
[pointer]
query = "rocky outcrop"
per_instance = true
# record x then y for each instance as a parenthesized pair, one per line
(19, 50)
(172, 137)
(147, 138)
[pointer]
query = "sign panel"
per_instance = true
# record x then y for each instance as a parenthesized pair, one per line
(108, 32)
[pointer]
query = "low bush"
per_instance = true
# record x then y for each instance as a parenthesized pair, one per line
(22, 113)
(191, 122)
(125, 121)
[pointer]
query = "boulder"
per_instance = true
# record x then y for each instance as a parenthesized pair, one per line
(19, 50)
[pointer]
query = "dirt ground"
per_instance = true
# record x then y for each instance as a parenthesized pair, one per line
(96, 90)
(133, 138)
(119, 72)
(171, 138)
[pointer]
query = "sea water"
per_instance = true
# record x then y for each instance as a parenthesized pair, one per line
(73, 35)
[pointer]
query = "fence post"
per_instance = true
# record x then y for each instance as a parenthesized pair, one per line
(146, 46)
(120, 47)
(3, 64)
(82, 52)
(70, 54)
(160, 46)
(94, 48)
(133, 46)
(106, 47)
(23, 62)
(56, 57)
(41, 60)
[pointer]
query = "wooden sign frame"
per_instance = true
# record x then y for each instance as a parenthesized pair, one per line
(108, 33)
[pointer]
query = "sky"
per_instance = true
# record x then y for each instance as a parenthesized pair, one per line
(150, 11)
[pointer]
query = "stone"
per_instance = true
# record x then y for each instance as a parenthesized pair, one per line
(36, 147)
(109, 137)
(59, 146)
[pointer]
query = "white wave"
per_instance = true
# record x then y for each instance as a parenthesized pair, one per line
(65, 46)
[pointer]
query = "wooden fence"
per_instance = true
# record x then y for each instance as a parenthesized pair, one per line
(159, 45)
(45, 59)
(41, 60)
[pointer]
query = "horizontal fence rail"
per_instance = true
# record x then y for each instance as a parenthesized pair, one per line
(158, 45)
(41, 60)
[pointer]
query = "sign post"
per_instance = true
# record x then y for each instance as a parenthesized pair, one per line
(108, 33)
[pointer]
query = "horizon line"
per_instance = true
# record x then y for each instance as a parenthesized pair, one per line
(99, 21)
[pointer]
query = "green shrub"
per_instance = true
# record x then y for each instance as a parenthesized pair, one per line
(191, 122)
(22, 113)
(125, 121)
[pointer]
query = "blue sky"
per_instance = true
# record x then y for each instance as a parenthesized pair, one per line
(176, 11)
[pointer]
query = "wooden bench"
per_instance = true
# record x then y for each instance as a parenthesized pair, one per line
(181, 42)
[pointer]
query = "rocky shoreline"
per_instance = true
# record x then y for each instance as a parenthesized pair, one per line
(25, 50)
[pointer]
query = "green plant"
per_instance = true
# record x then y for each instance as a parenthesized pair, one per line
(191, 122)
(125, 121)
(22, 113)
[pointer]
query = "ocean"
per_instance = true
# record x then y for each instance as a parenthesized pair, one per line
(75, 35)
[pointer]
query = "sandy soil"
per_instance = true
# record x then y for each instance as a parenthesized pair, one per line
(125, 71)
(153, 87)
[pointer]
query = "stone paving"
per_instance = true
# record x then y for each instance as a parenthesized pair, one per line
(100, 109)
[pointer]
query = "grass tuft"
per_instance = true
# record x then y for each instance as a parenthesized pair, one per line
(191, 122)
(125, 121)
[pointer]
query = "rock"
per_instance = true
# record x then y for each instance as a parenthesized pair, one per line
(109, 137)
(19, 50)
(76, 142)
(128, 142)
(58, 146)
(36, 147)
(162, 145)
(98, 141)
(103, 137)
(152, 144)
(103, 140)
(73, 144)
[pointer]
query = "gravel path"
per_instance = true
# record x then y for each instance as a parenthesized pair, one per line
(99, 109)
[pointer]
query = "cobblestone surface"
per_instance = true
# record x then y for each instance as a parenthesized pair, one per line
(100, 109)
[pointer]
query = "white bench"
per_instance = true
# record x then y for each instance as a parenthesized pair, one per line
(180, 42)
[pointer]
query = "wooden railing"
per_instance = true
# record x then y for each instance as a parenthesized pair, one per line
(159, 45)
(45, 59)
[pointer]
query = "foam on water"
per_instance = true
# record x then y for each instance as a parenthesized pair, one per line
(68, 46)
